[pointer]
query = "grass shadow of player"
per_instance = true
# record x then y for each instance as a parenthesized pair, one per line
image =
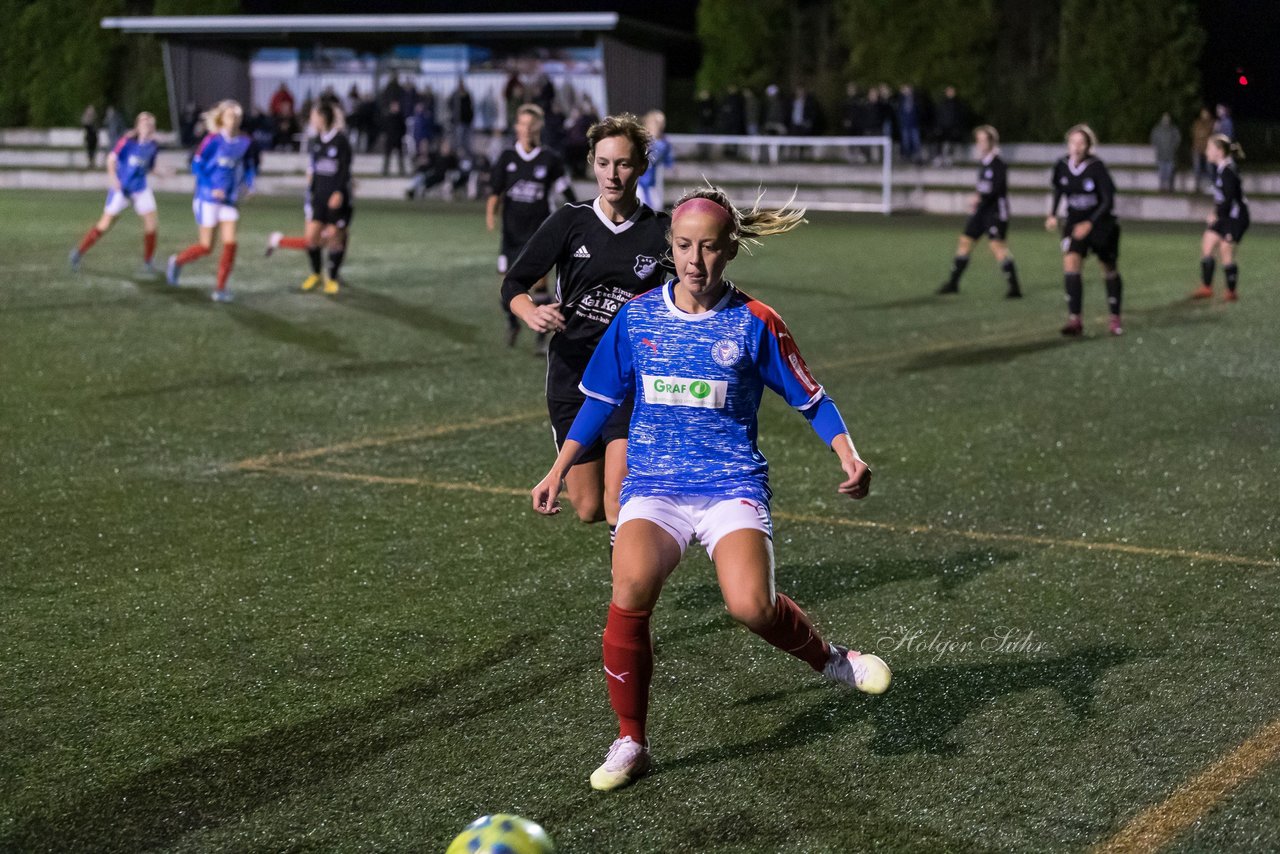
(1182, 312)
(918, 301)
(924, 706)
(818, 583)
(410, 314)
(159, 287)
(967, 356)
(299, 375)
(221, 783)
(275, 328)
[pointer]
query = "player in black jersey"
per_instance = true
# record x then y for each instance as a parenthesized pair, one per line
(522, 183)
(605, 252)
(1090, 226)
(1229, 220)
(988, 214)
(328, 206)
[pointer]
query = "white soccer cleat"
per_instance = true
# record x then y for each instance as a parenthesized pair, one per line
(862, 670)
(628, 760)
(273, 242)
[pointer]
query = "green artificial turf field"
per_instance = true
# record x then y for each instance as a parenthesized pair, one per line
(270, 580)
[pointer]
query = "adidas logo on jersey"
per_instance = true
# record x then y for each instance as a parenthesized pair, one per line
(582, 252)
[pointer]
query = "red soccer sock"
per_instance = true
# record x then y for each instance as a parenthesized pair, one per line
(792, 633)
(148, 246)
(225, 263)
(191, 253)
(628, 667)
(294, 243)
(90, 238)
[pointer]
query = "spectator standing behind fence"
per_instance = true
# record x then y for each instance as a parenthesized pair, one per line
(1225, 125)
(89, 121)
(282, 103)
(908, 122)
(1165, 139)
(951, 121)
(1201, 130)
(462, 113)
(393, 131)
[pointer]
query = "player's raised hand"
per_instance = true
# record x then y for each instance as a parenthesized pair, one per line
(858, 481)
(546, 495)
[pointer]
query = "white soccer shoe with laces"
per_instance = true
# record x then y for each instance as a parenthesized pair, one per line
(628, 760)
(862, 670)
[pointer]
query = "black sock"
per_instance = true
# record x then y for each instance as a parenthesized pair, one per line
(336, 257)
(1232, 274)
(1075, 292)
(613, 537)
(313, 255)
(1010, 274)
(1206, 271)
(1115, 289)
(958, 264)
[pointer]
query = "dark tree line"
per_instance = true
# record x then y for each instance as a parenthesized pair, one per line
(1031, 67)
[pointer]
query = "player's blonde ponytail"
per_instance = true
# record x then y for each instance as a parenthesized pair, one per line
(748, 226)
(213, 117)
(1232, 149)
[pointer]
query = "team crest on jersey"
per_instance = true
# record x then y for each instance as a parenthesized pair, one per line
(333, 152)
(511, 167)
(645, 265)
(539, 172)
(726, 352)
(1088, 185)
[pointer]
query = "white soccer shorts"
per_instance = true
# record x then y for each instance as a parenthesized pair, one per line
(143, 201)
(707, 518)
(209, 214)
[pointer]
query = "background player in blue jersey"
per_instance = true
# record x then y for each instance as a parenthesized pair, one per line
(1229, 220)
(697, 354)
(223, 162)
(652, 188)
(133, 156)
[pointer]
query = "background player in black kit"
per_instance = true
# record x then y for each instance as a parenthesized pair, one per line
(605, 252)
(328, 206)
(522, 182)
(989, 215)
(1229, 220)
(1091, 225)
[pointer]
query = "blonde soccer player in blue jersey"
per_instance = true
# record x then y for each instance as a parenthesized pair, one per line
(697, 353)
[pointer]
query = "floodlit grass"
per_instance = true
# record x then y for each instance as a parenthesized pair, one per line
(365, 646)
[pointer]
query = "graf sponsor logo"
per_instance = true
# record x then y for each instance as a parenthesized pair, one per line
(685, 391)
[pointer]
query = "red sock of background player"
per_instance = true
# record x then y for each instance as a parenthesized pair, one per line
(225, 263)
(792, 633)
(90, 238)
(294, 243)
(148, 246)
(191, 253)
(628, 668)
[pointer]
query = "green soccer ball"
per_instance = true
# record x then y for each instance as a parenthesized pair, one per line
(502, 834)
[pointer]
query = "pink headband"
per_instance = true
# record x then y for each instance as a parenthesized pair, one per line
(698, 204)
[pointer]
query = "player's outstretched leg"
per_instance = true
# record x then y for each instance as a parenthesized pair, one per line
(952, 285)
(628, 667)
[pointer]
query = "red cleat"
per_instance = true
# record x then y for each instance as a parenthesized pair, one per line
(1074, 327)
(1115, 325)
(1230, 296)
(1202, 292)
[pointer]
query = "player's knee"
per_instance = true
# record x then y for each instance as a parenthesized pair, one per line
(589, 511)
(751, 612)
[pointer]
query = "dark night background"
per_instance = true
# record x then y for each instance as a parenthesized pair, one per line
(1242, 34)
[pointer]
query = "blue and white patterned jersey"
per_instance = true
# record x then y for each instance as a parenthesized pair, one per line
(222, 163)
(698, 380)
(134, 159)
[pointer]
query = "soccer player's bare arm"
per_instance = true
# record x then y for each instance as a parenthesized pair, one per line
(491, 211)
(540, 254)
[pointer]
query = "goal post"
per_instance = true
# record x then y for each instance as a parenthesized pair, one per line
(839, 173)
